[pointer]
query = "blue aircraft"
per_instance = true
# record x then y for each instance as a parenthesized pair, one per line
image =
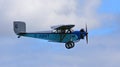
(60, 34)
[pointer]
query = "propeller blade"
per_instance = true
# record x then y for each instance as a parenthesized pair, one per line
(87, 38)
(86, 35)
(86, 27)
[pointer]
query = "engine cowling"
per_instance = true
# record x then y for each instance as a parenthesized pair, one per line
(81, 33)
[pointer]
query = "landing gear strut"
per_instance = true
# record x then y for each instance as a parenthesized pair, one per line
(70, 45)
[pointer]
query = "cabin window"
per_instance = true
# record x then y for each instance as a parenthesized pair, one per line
(54, 31)
(62, 31)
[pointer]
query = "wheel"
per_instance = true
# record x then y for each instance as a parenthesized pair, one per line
(72, 44)
(69, 45)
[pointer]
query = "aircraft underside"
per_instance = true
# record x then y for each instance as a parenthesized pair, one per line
(68, 39)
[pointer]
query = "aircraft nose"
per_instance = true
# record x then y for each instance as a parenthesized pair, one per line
(82, 34)
(86, 33)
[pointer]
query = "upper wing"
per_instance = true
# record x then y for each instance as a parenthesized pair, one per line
(62, 27)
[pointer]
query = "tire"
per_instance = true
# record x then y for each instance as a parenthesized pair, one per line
(69, 45)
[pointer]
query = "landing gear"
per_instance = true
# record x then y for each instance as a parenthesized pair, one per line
(70, 45)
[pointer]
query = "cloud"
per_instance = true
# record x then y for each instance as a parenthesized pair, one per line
(41, 14)
(102, 50)
(26, 56)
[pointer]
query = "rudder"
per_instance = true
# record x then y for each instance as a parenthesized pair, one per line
(19, 27)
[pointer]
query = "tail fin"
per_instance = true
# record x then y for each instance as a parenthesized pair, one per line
(19, 27)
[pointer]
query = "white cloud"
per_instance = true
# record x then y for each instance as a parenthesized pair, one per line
(88, 57)
(39, 15)
(45, 13)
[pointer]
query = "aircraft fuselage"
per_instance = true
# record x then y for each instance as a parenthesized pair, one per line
(55, 37)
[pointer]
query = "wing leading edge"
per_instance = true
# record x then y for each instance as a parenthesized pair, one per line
(62, 27)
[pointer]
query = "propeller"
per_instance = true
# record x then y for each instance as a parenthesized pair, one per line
(86, 35)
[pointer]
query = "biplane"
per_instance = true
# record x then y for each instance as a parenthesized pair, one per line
(59, 33)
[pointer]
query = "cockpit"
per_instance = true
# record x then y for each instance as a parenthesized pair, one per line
(63, 31)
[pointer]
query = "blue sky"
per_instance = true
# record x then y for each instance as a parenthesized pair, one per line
(110, 6)
(101, 16)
